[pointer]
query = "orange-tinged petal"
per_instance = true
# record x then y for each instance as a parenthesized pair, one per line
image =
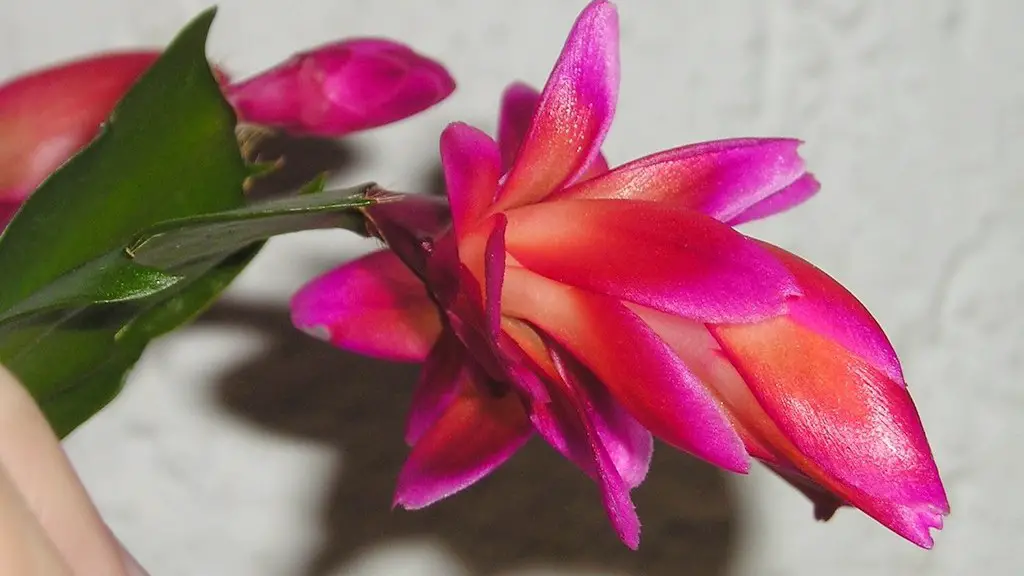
(636, 366)
(574, 112)
(664, 257)
(829, 309)
(518, 105)
(858, 426)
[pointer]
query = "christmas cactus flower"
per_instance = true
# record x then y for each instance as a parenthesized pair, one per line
(596, 307)
(49, 115)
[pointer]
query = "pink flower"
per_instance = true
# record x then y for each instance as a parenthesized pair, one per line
(597, 307)
(49, 115)
(343, 87)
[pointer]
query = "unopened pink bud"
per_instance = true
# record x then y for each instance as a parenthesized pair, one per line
(343, 87)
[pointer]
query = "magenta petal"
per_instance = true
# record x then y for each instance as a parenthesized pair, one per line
(440, 378)
(614, 488)
(499, 355)
(638, 368)
(574, 112)
(721, 179)
(373, 306)
(477, 433)
(829, 309)
(472, 166)
(597, 167)
(796, 193)
(518, 104)
(629, 445)
(671, 259)
(494, 274)
(852, 429)
(7, 212)
(343, 87)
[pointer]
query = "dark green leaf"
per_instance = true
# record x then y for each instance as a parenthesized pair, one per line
(111, 278)
(69, 407)
(175, 243)
(169, 151)
(138, 234)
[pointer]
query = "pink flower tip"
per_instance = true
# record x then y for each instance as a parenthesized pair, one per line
(922, 520)
(343, 87)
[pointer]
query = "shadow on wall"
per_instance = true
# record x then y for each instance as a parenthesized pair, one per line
(536, 510)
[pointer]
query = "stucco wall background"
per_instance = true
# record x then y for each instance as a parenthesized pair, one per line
(242, 448)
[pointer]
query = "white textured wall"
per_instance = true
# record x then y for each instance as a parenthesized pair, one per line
(244, 449)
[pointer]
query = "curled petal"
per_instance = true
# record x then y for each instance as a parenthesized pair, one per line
(796, 193)
(574, 112)
(477, 433)
(621, 350)
(722, 179)
(671, 259)
(444, 373)
(373, 306)
(856, 432)
(829, 309)
(483, 329)
(343, 87)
